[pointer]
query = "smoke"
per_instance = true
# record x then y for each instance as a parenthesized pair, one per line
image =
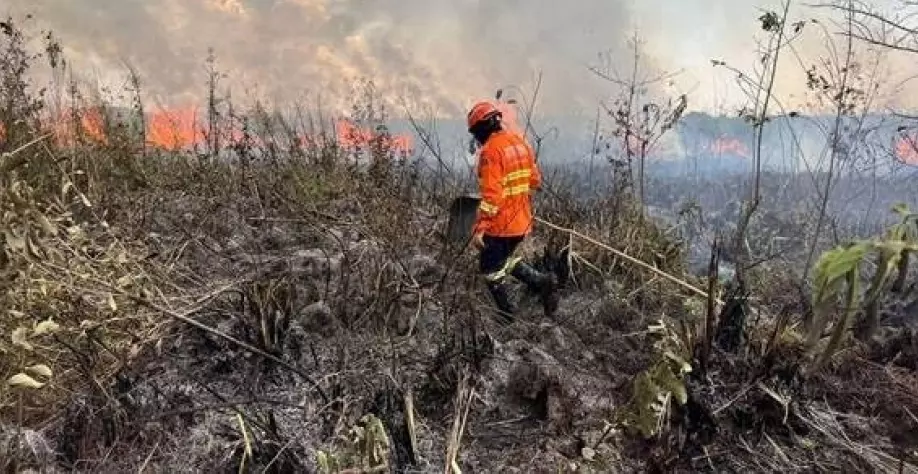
(437, 53)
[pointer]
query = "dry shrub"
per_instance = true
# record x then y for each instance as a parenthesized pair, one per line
(618, 221)
(70, 299)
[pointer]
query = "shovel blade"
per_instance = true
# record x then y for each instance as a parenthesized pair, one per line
(462, 213)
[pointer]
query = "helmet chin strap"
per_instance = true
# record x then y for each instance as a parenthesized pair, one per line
(486, 129)
(473, 145)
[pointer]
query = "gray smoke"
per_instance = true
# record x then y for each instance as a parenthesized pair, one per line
(441, 53)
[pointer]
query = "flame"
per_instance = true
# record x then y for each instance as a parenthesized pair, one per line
(729, 145)
(93, 124)
(182, 129)
(352, 137)
(175, 130)
(63, 132)
(906, 149)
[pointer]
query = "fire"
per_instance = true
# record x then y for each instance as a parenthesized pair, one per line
(93, 125)
(174, 129)
(906, 149)
(63, 133)
(352, 137)
(182, 128)
(728, 145)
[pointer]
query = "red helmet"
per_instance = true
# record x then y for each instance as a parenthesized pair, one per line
(482, 111)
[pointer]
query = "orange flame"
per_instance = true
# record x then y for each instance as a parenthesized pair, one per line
(63, 132)
(724, 145)
(906, 149)
(174, 130)
(182, 128)
(93, 124)
(352, 137)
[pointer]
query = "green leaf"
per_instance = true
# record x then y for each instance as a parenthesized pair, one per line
(644, 416)
(673, 384)
(842, 325)
(833, 269)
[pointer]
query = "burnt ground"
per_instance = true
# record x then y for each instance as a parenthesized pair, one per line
(376, 318)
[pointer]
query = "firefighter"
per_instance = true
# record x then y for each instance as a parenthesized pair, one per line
(507, 176)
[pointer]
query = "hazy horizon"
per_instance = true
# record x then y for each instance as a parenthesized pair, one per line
(435, 56)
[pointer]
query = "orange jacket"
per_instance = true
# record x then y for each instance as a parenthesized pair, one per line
(507, 175)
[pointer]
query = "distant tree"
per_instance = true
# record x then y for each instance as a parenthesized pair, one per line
(639, 118)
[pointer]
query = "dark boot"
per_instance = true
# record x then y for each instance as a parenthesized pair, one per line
(545, 284)
(500, 292)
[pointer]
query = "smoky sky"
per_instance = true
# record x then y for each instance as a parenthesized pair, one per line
(440, 54)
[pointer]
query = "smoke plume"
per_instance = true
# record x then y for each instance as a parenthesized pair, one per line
(440, 53)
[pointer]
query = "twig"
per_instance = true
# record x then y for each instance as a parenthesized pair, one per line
(630, 259)
(867, 453)
(733, 400)
(452, 448)
(912, 415)
(146, 462)
(11, 162)
(183, 317)
(412, 428)
(277, 456)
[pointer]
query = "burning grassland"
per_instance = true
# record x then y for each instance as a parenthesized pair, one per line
(185, 129)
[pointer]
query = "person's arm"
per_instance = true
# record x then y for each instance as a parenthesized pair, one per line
(489, 185)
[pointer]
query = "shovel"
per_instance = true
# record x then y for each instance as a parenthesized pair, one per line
(462, 213)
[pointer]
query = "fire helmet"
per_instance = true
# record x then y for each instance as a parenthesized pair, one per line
(480, 112)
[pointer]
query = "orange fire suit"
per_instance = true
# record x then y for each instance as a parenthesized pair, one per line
(507, 174)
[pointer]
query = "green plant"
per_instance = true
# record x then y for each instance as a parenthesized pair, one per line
(654, 389)
(838, 276)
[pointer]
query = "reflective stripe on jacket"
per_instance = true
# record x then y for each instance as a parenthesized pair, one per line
(507, 174)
